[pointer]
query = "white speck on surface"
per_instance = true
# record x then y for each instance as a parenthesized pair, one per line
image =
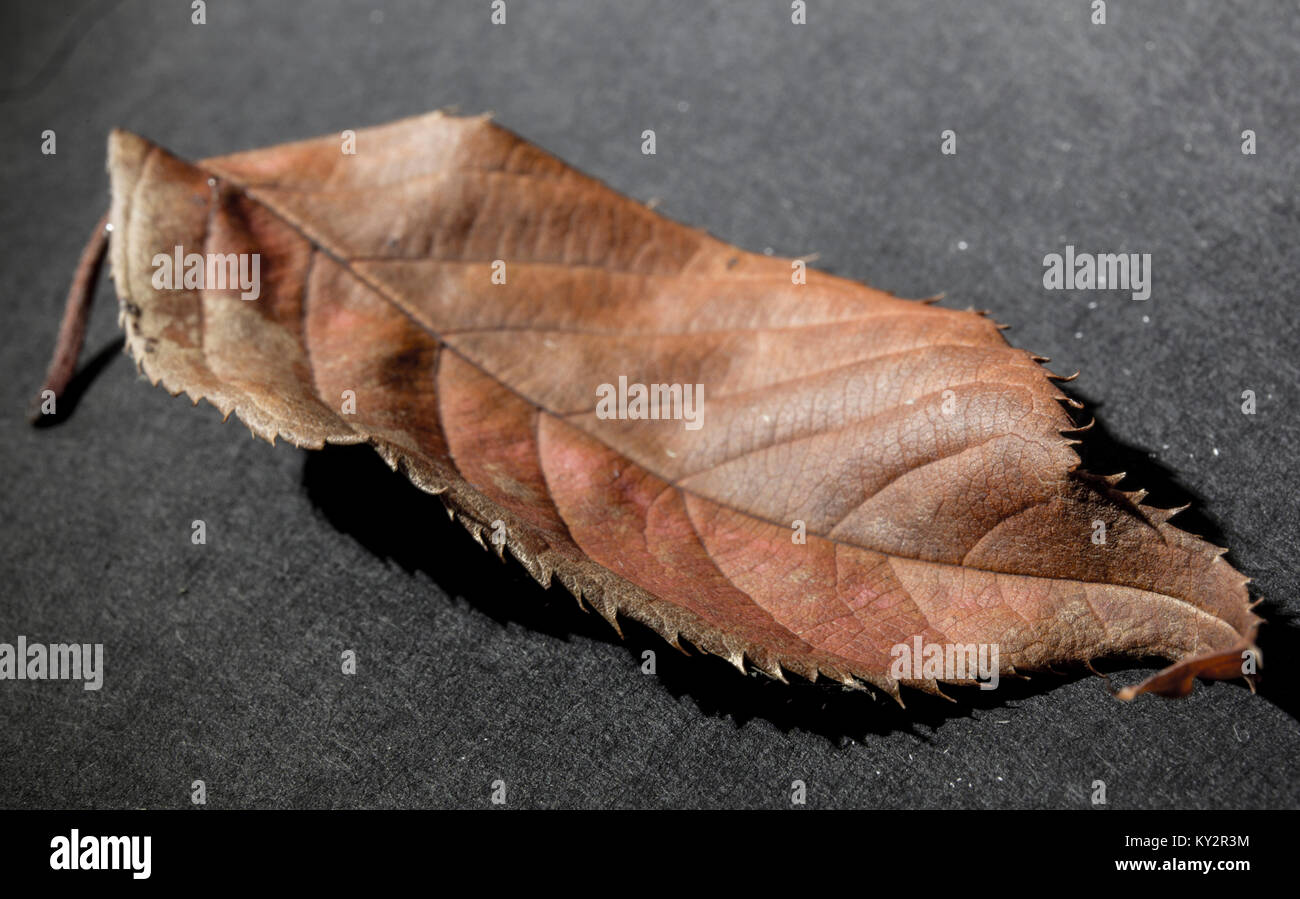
(1078, 335)
(1146, 319)
(961, 244)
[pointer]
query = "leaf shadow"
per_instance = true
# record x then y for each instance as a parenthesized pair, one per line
(80, 383)
(1102, 453)
(1279, 643)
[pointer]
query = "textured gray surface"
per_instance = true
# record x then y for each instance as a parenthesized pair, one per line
(222, 660)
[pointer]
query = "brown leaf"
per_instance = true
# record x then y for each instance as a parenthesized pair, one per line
(927, 461)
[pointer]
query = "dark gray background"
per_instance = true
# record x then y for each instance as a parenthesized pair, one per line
(223, 660)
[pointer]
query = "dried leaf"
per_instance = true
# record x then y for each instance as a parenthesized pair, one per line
(456, 297)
